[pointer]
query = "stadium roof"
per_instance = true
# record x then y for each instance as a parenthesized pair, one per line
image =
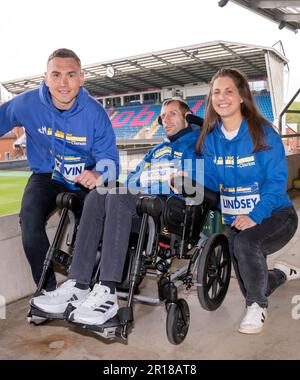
(173, 67)
(285, 12)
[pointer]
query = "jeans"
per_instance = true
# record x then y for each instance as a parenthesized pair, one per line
(110, 217)
(249, 249)
(39, 201)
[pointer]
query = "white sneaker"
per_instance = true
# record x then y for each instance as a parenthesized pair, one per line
(254, 319)
(97, 308)
(291, 272)
(57, 300)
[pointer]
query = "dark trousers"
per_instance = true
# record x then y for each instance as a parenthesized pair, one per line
(249, 249)
(39, 201)
(110, 217)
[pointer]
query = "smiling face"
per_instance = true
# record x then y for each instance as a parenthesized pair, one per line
(173, 119)
(64, 78)
(226, 99)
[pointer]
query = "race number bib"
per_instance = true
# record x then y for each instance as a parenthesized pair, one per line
(157, 173)
(238, 201)
(66, 173)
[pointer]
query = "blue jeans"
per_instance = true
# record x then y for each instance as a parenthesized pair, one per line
(39, 201)
(249, 249)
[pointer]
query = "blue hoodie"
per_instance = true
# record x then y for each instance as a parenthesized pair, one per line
(177, 153)
(249, 183)
(63, 143)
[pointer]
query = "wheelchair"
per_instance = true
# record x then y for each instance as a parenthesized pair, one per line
(172, 231)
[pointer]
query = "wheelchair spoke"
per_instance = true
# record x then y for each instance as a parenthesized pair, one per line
(221, 282)
(224, 263)
(210, 282)
(219, 254)
(214, 288)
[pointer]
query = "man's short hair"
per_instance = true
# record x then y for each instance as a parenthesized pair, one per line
(183, 106)
(64, 53)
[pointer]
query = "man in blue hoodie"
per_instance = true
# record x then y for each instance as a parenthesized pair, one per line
(70, 143)
(111, 217)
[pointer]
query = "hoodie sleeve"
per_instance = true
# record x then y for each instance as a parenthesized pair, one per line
(133, 179)
(104, 148)
(8, 119)
(210, 173)
(273, 188)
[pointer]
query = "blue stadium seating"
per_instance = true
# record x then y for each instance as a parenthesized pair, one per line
(128, 121)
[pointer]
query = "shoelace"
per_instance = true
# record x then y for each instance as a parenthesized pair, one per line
(93, 298)
(63, 289)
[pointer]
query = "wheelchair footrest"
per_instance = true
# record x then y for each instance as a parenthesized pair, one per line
(108, 330)
(34, 311)
(111, 328)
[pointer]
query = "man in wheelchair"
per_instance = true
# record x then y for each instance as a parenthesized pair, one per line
(109, 217)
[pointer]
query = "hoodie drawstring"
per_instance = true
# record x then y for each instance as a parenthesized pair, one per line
(53, 140)
(64, 146)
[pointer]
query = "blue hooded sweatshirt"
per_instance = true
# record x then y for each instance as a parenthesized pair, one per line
(176, 153)
(63, 143)
(249, 183)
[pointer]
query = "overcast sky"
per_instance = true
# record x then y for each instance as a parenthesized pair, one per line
(101, 30)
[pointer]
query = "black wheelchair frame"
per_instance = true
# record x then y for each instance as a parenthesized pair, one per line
(170, 228)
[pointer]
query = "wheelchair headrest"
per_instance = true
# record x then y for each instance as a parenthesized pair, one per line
(190, 118)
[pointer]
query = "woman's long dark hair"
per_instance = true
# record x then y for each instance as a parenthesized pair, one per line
(249, 111)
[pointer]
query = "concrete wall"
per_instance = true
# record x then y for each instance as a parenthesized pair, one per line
(15, 275)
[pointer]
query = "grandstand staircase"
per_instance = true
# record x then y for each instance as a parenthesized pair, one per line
(147, 132)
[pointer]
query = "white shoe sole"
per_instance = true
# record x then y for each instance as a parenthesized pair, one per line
(250, 331)
(100, 320)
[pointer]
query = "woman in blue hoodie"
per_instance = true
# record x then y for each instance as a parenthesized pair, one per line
(244, 160)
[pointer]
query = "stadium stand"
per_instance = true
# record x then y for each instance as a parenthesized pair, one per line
(129, 121)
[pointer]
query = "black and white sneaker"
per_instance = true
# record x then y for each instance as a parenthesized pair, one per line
(57, 300)
(254, 320)
(97, 308)
(291, 272)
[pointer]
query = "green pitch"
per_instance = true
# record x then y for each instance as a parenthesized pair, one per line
(12, 185)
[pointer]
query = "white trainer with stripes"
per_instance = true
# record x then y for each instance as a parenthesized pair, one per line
(254, 320)
(97, 308)
(291, 271)
(57, 300)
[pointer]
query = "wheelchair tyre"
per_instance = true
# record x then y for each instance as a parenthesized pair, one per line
(213, 273)
(178, 321)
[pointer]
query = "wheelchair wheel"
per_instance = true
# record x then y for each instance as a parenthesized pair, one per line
(178, 321)
(213, 273)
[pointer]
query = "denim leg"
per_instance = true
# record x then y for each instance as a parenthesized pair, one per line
(88, 237)
(249, 249)
(120, 211)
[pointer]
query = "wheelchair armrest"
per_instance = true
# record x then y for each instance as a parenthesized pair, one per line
(190, 189)
(151, 205)
(68, 200)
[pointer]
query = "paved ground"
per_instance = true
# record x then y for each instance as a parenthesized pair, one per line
(212, 335)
